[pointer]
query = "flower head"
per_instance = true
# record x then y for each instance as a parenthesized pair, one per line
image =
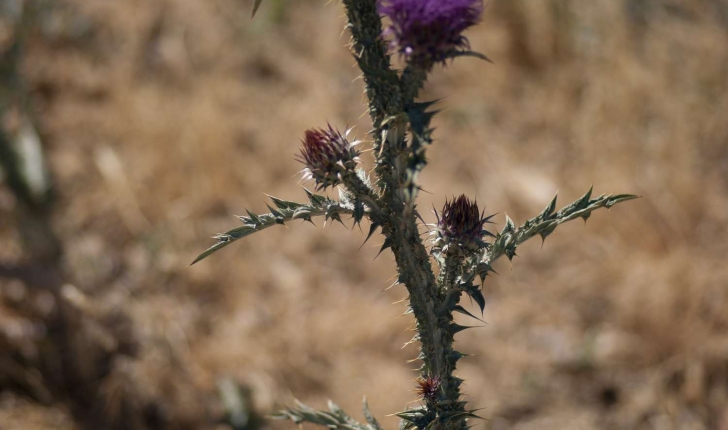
(427, 31)
(460, 225)
(427, 388)
(327, 154)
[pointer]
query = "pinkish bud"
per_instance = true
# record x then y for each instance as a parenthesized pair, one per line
(460, 225)
(327, 154)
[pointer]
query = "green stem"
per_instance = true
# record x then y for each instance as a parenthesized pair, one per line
(389, 98)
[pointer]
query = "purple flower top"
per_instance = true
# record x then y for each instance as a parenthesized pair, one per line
(427, 31)
(461, 226)
(327, 154)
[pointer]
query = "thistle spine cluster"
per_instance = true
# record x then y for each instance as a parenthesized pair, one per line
(425, 32)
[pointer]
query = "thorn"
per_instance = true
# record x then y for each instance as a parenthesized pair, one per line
(372, 228)
(457, 328)
(464, 311)
(401, 300)
(389, 287)
(387, 244)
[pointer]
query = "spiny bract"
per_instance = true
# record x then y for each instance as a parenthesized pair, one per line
(460, 226)
(327, 154)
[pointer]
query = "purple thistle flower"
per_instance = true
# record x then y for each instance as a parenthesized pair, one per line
(327, 154)
(428, 31)
(461, 226)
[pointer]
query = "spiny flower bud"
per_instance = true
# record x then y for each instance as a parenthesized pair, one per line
(460, 225)
(327, 154)
(427, 388)
(428, 31)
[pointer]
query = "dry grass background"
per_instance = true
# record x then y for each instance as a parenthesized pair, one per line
(162, 119)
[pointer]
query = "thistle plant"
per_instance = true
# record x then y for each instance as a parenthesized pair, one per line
(424, 33)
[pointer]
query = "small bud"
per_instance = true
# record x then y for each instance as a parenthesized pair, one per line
(427, 388)
(460, 226)
(327, 154)
(428, 31)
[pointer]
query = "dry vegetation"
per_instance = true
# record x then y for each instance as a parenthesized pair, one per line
(162, 119)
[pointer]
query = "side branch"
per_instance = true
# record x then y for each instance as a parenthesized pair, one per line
(334, 418)
(284, 211)
(360, 188)
(543, 225)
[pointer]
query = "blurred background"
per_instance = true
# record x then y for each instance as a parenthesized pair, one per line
(144, 126)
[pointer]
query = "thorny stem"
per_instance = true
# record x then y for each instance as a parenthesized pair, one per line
(364, 193)
(389, 97)
(370, 52)
(413, 79)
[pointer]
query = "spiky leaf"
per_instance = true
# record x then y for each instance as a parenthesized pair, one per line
(287, 211)
(510, 238)
(256, 5)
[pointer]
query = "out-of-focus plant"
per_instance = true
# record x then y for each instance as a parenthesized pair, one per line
(23, 167)
(21, 155)
(424, 33)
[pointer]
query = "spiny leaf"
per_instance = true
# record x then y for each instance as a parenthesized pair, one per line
(333, 214)
(411, 414)
(546, 213)
(279, 216)
(335, 418)
(358, 214)
(373, 423)
(510, 252)
(372, 229)
(420, 117)
(510, 238)
(476, 295)
(336, 410)
(509, 227)
(284, 204)
(256, 5)
(470, 54)
(457, 328)
(464, 311)
(584, 200)
(285, 212)
(463, 415)
(304, 212)
(214, 248)
(619, 198)
(253, 217)
(483, 269)
(546, 231)
(387, 244)
(456, 382)
(316, 200)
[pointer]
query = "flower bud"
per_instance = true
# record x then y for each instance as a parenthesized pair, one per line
(428, 31)
(427, 388)
(327, 154)
(460, 226)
